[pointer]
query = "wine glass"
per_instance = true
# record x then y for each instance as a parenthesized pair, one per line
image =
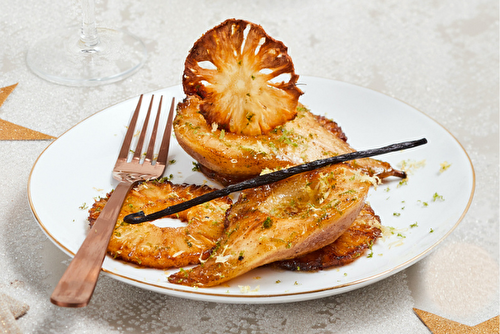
(88, 56)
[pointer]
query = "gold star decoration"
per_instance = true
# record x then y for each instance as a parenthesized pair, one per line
(440, 325)
(11, 131)
(4, 92)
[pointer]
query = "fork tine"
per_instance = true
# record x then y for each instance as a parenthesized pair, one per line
(125, 149)
(152, 141)
(165, 143)
(140, 142)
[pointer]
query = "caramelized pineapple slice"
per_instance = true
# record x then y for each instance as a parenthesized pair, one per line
(149, 245)
(244, 77)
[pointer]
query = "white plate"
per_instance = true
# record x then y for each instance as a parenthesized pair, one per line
(76, 168)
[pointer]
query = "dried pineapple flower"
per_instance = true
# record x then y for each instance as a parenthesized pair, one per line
(245, 78)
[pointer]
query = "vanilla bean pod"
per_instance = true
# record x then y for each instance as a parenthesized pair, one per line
(140, 217)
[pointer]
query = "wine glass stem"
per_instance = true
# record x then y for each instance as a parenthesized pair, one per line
(88, 32)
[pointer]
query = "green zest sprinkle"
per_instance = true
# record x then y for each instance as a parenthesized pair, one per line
(403, 182)
(423, 203)
(267, 223)
(196, 167)
(444, 166)
(437, 197)
(184, 272)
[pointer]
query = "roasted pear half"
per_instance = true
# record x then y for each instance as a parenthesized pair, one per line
(230, 157)
(351, 245)
(282, 220)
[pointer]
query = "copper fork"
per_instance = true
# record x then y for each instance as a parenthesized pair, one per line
(76, 286)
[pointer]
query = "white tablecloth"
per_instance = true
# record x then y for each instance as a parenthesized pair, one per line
(441, 57)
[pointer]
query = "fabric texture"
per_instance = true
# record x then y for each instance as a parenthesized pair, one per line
(10, 310)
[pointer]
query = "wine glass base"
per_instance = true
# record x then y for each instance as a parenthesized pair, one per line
(63, 58)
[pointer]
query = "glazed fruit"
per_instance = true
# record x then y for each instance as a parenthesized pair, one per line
(245, 79)
(152, 246)
(282, 220)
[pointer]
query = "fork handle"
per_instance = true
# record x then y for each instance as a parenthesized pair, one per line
(76, 286)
